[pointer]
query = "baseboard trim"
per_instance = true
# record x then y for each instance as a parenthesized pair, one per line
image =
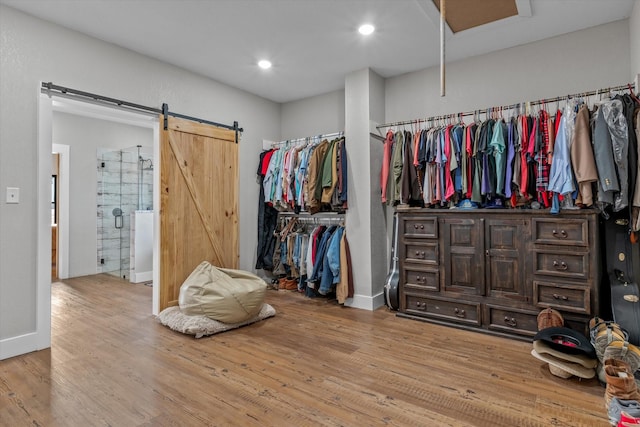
(145, 276)
(365, 302)
(16, 346)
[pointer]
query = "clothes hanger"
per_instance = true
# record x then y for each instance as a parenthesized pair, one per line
(633, 95)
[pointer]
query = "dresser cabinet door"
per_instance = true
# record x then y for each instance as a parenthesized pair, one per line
(463, 255)
(505, 241)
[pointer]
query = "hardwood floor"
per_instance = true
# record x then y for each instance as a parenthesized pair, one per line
(314, 364)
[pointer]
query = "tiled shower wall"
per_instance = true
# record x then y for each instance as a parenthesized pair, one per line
(117, 187)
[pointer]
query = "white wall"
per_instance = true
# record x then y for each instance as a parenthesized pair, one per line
(85, 135)
(316, 115)
(634, 41)
(33, 50)
(584, 60)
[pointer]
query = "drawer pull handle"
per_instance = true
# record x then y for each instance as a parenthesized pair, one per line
(562, 297)
(415, 226)
(560, 235)
(420, 254)
(421, 226)
(419, 279)
(510, 322)
(460, 313)
(422, 305)
(560, 265)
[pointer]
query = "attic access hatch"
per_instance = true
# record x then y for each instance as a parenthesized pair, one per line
(464, 14)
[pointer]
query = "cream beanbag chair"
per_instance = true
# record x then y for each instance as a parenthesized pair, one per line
(225, 295)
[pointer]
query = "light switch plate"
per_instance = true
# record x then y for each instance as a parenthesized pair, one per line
(13, 195)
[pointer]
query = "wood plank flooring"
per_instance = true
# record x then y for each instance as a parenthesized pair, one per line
(314, 364)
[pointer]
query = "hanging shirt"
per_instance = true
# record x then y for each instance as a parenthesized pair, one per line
(270, 177)
(582, 159)
(416, 149)
(476, 191)
(510, 156)
(397, 161)
(344, 181)
(561, 176)
(457, 136)
(542, 177)
(616, 122)
(386, 164)
(603, 152)
(440, 162)
(498, 150)
(469, 142)
(300, 176)
(524, 146)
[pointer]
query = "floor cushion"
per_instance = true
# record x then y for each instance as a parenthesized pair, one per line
(201, 326)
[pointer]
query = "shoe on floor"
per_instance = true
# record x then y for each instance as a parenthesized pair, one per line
(617, 407)
(620, 382)
(627, 420)
(549, 318)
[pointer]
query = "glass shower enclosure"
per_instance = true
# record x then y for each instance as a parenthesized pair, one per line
(125, 212)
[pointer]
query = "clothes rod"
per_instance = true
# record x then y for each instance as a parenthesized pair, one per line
(630, 86)
(297, 140)
(305, 214)
(315, 219)
(320, 219)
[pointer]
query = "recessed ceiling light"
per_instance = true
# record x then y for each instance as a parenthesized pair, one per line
(366, 29)
(264, 64)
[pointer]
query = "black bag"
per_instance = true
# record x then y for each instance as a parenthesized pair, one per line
(391, 293)
(625, 295)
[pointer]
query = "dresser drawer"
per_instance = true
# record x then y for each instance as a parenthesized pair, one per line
(564, 231)
(422, 252)
(426, 278)
(420, 227)
(512, 321)
(561, 264)
(455, 311)
(565, 297)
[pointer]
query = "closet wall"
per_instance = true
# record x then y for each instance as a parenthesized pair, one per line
(634, 40)
(33, 50)
(584, 60)
(313, 116)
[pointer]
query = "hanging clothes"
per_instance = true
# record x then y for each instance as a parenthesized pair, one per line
(582, 158)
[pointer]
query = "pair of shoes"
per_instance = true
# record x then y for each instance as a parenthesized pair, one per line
(621, 410)
(624, 351)
(549, 318)
(620, 382)
(603, 333)
(627, 420)
(288, 284)
(612, 342)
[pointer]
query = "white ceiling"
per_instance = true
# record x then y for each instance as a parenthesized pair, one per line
(313, 44)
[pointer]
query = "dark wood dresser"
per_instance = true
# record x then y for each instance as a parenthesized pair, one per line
(493, 270)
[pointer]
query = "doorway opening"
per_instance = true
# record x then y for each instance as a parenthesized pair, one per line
(66, 220)
(55, 194)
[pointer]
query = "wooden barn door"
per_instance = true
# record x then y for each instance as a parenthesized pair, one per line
(198, 202)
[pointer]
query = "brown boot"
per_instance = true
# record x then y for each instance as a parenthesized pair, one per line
(549, 318)
(620, 381)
